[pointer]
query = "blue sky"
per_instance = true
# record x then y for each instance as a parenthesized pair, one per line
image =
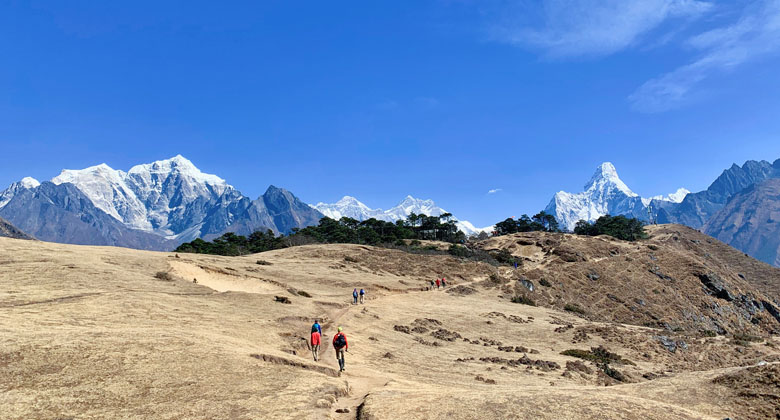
(439, 99)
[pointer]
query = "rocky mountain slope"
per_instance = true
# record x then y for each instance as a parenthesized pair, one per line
(750, 221)
(697, 208)
(8, 230)
(352, 207)
(225, 337)
(679, 279)
(604, 194)
(152, 206)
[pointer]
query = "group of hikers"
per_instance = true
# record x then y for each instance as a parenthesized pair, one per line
(340, 344)
(438, 283)
(355, 295)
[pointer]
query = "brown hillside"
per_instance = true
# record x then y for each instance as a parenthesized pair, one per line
(99, 332)
(678, 279)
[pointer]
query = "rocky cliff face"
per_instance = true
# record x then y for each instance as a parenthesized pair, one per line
(10, 231)
(750, 221)
(697, 208)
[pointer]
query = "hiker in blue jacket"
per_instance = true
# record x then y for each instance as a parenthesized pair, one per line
(362, 296)
(354, 296)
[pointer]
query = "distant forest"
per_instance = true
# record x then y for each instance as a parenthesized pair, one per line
(403, 233)
(329, 231)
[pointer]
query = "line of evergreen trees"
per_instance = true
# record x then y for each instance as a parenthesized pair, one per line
(539, 222)
(620, 227)
(345, 230)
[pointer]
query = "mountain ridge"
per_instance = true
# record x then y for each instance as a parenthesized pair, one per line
(349, 206)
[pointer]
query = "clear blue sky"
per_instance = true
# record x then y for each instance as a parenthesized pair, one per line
(439, 99)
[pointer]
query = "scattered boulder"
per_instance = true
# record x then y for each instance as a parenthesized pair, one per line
(715, 285)
(282, 299)
(670, 344)
(402, 328)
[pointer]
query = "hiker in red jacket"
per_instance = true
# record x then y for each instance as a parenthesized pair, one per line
(437, 283)
(340, 345)
(316, 339)
(443, 282)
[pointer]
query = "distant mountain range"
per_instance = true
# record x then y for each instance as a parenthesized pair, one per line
(152, 206)
(352, 207)
(162, 204)
(741, 207)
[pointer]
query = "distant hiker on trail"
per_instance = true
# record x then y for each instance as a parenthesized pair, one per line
(362, 296)
(437, 283)
(354, 296)
(432, 284)
(340, 345)
(443, 282)
(316, 339)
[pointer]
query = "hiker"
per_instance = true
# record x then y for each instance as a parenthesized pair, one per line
(354, 296)
(432, 284)
(362, 296)
(437, 283)
(316, 338)
(443, 282)
(340, 345)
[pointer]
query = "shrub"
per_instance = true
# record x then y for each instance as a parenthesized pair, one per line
(350, 259)
(505, 257)
(523, 300)
(263, 262)
(545, 283)
(619, 227)
(458, 250)
(573, 307)
(415, 242)
(304, 293)
(163, 275)
(598, 355)
(399, 242)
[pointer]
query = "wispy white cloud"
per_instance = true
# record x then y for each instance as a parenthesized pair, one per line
(590, 27)
(494, 190)
(754, 35)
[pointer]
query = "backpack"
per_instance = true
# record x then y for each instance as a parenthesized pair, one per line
(340, 342)
(314, 328)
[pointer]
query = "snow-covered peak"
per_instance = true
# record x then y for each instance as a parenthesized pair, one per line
(351, 207)
(677, 196)
(176, 165)
(604, 194)
(606, 177)
(29, 182)
(89, 175)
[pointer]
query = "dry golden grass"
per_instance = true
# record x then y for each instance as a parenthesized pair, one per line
(93, 333)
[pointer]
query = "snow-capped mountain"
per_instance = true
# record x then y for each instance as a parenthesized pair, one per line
(604, 194)
(153, 206)
(27, 183)
(150, 197)
(352, 207)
